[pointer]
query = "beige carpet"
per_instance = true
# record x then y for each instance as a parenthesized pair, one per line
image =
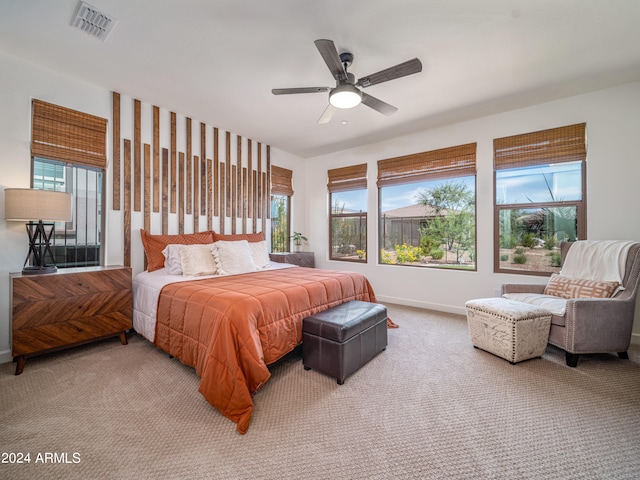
(430, 406)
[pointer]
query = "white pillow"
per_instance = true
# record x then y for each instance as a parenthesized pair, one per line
(260, 254)
(197, 260)
(233, 257)
(172, 260)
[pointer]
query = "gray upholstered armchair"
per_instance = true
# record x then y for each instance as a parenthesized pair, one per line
(588, 325)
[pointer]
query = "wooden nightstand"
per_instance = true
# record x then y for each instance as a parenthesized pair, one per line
(67, 308)
(302, 259)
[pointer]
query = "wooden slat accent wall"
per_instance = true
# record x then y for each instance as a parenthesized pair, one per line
(164, 176)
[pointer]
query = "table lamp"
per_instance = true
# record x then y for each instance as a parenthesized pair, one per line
(39, 208)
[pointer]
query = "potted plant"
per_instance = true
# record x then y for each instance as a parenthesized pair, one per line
(297, 241)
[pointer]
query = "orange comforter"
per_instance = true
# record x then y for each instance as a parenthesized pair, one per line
(230, 328)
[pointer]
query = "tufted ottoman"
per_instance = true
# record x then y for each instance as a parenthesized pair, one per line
(512, 330)
(340, 340)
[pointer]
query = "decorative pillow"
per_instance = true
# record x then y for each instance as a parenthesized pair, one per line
(567, 287)
(260, 254)
(197, 260)
(249, 237)
(233, 257)
(172, 260)
(154, 244)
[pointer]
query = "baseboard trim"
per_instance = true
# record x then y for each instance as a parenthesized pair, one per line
(5, 356)
(440, 307)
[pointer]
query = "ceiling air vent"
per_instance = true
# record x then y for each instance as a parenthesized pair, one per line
(92, 21)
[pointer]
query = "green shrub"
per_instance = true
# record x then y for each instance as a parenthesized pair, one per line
(519, 251)
(556, 259)
(436, 254)
(428, 243)
(550, 242)
(520, 259)
(504, 258)
(529, 240)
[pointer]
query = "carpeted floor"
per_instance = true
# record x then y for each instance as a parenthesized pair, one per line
(430, 406)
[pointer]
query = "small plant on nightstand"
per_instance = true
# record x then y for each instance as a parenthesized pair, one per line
(297, 241)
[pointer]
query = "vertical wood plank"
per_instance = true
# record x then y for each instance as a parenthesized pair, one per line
(165, 191)
(223, 175)
(254, 184)
(250, 177)
(189, 185)
(196, 203)
(137, 176)
(209, 194)
(172, 200)
(116, 151)
(238, 212)
(234, 198)
(189, 160)
(147, 187)
(227, 183)
(259, 212)
(156, 159)
(203, 169)
(245, 200)
(265, 188)
(267, 195)
(216, 174)
(181, 194)
(127, 202)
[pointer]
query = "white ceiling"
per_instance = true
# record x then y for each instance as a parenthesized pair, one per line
(216, 61)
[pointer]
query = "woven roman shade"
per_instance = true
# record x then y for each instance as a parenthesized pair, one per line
(347, 178)
(448, 162)
(281, 181)
(556, 145)
(67, 135)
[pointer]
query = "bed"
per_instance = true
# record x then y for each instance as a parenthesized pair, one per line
(231, 327)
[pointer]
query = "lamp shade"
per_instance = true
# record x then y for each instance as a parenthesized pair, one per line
(27, 204)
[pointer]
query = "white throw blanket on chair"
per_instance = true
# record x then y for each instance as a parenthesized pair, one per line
(597, 260)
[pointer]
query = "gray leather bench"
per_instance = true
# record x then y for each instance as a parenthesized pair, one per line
(340, 340)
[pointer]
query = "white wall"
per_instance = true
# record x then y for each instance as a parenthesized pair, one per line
(20, 82)
(613, 194)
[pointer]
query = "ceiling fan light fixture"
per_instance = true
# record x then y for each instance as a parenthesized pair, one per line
(345, 96)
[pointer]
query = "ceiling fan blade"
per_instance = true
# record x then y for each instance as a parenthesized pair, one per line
(378, 105)
(330, 55)
(287, 91)
(327, 115)
(401, 70)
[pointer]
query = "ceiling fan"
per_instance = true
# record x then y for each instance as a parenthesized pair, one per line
(347, 93)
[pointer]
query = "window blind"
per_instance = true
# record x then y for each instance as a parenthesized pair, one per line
(556, 145)
(347, 178)
(281, 181)
(66, 135)
(448, 162)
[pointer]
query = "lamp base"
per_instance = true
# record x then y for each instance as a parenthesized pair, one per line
(35, 270)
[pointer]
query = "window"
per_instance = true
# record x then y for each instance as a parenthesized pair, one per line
(77, 243)
(427, 209)
(281, 193)
(539, 198)
(69, 154)
(348, 213)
